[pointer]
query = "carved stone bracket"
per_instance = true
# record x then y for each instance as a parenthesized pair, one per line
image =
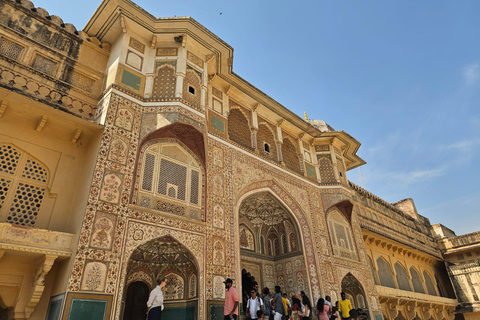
(45, 265)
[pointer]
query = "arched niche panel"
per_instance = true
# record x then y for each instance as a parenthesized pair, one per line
(341, 235)
(402, 277)
(246, 238)
(239, 128)
(385, 273)
(429, 284)
(416, 281)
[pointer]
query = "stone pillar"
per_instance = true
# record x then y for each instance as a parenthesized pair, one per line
(254, 139)
(279, 152)
(181, 71)
(254, 128)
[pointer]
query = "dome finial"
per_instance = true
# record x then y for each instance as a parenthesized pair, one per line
(305, 115)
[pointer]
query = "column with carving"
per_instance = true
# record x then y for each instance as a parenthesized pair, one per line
(279, 141)
(181, 68)
(254, 129)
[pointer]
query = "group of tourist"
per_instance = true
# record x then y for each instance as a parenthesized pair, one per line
(264, 306)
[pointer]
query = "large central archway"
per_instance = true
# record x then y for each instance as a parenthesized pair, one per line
(270, 245)
(155, 259)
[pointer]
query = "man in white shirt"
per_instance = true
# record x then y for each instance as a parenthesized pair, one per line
(155, 301)
(254, 304)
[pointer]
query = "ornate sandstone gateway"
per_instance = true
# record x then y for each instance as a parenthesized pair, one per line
(130, 150)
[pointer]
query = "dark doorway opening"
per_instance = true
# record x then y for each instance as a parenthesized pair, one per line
(247, 285)
(136, 302)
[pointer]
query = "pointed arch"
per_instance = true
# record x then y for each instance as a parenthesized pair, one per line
(266, 135)
(300, 219)
(239, 128)
(402, 278)
(165, 80)
(341, 235)
(385, 273)
(141, 233)
(290, 155)
(416, 280)
(247, 239)
(373, 269)
(24, 181)
(429, 284)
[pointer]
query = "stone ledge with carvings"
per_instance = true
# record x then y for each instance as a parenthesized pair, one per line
(381, 229)
(466, 241)
(414, 296)
(20, 238)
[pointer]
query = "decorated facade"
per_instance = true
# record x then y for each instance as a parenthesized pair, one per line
(131, 151)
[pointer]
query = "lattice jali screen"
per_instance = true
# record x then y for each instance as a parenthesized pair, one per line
(164, 82)
(175, 153)
(22, 191)
(170, 180)
(45, 65)
(33, 170)
(149, 166)
(9, 158)
(172, 173)
(26, 204)
(10, 50)
(195, 179)
(4, 187)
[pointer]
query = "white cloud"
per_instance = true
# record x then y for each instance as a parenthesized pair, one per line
(463, 145)
(417, 176)
(471, 73)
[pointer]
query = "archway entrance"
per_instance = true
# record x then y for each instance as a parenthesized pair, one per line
(354, 292)
(158, 258)
(270, 246)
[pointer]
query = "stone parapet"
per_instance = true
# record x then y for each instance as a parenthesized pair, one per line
(467, 240)
(19, 238)
(406, 304)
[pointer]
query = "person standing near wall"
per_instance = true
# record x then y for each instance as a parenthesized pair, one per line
(230, 311)
(155, 301)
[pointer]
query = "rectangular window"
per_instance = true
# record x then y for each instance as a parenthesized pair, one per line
(194, 187)
(175, 174)
(147, 182)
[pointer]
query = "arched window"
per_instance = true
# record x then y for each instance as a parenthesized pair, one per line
(175, 288)
(402, 278)
(341, 235)
(375, 280)
(284, 244)
(262, 244)
(385, 273)
(23, 186)
(416, 281)
(239, 128)
(429, 284)
(171, 179)
(246, 238)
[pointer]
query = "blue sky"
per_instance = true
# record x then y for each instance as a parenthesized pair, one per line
(402, 77)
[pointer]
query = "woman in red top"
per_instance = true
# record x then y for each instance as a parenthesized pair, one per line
(296, 309)
(322, 309)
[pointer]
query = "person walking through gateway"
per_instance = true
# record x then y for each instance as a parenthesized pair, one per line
(253, 305)
(155, 301)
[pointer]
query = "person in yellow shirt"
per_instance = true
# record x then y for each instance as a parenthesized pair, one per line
(286, 305)
(344, 307)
